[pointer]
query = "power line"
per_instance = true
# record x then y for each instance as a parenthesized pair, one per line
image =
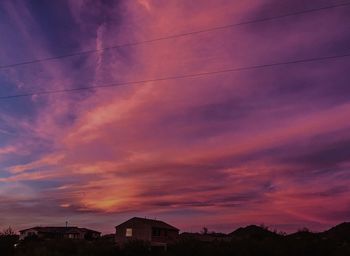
(194, 75)
(173, 36)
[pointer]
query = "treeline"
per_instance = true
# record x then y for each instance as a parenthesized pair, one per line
(250, 241)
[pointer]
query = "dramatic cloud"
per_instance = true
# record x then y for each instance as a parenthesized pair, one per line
(268, 145)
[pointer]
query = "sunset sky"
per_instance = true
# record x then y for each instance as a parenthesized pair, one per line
(268, 145)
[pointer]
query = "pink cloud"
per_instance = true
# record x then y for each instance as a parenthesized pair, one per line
(223, 147)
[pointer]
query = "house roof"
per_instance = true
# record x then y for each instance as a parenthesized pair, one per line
(62, 230)
(252, 231)
(89, 230)
(153, 223)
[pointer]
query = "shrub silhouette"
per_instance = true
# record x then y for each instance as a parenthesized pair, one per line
(8, 240)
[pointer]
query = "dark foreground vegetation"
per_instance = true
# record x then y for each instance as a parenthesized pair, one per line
(249, 241)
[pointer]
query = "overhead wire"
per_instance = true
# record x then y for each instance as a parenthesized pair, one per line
(179, 35)
(176, 77)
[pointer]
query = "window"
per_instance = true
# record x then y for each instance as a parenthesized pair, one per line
(128, 232)
(155, 231)
(73, 236)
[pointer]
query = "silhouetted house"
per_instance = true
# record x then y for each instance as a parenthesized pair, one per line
(252, 232)
(59, 233)
(340, 232)
(154, 232)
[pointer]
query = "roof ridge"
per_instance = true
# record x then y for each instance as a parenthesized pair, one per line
(154, 221)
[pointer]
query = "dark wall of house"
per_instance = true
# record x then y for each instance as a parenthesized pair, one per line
(144, 231)
(164, 235)
(140, 231)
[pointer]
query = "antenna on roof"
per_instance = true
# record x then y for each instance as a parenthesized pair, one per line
(66, 224)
